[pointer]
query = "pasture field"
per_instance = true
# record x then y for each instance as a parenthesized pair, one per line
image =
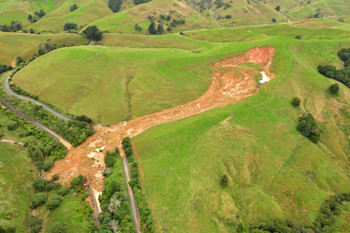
(274, 172)
(13, 45)
(109, 85)
(17, 173)
(71, 213)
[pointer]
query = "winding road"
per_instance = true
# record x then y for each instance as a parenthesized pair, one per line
(9, 90)
(67, 144)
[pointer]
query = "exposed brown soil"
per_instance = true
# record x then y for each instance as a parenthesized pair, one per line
(307, 22)
(230, 84)
(138, 157)
(13, 64)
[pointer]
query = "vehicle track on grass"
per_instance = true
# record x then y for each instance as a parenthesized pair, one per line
(3, 9)
(230, 84)
(9, 90)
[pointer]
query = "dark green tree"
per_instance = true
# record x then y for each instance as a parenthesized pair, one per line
(160, 29)
(224, 181)
(38, 199)
(73, 7)
(334, 88)
(53, 202)
(152, 28)
(296, 101)
(93, 33)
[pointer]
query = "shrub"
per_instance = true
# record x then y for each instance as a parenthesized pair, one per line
(334, 88)
(40, 185)
(298, 37)
(55, 177)
(63, 191)
(53, 202)
(128, 152)
(57, 227)
(12, 125)
(224, 181)
(307, 126)
(274, 20)
(38, 199)
(19, 60)
(35, 224)
(296, 101)
(77, 181)
(152, 28)
(115, 5)
(47, 165)
(73, 7)
(93, 33)
(70, 26)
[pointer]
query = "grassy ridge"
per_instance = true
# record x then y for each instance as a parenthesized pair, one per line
(13, 45)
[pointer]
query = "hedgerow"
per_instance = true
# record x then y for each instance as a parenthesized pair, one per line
(116, 215)
(135, 184)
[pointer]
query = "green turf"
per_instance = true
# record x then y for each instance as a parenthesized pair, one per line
(17, 174)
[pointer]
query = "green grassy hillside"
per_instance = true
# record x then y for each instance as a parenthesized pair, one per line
(274, 172)
(197, 14)
(110, 85)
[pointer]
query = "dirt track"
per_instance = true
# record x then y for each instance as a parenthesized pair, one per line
(230, 84)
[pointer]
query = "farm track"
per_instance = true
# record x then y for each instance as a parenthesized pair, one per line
(230, 84)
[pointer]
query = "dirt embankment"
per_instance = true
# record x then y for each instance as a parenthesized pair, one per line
(230, 84)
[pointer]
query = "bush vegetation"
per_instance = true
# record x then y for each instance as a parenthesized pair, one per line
(342, 75)
(53, 202)
(115, 5)
(296, 101)
(70, 26)
(38, 199)
(93, 33)
(35, 224)
(73, 7)
(307, 126)
(13, 27)
(116, 215)
(334, 88)
(323, 223)
(135, 184)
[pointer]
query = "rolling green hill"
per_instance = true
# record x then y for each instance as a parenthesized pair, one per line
(274, 172)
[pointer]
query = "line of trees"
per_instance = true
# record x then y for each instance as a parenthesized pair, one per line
(135, 184)
(39, 143)
(13, 27)
(342, 75)
(116, 215)
(323, 223)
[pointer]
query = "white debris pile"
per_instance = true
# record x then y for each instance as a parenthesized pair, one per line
(100, 149)
(264, 78)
